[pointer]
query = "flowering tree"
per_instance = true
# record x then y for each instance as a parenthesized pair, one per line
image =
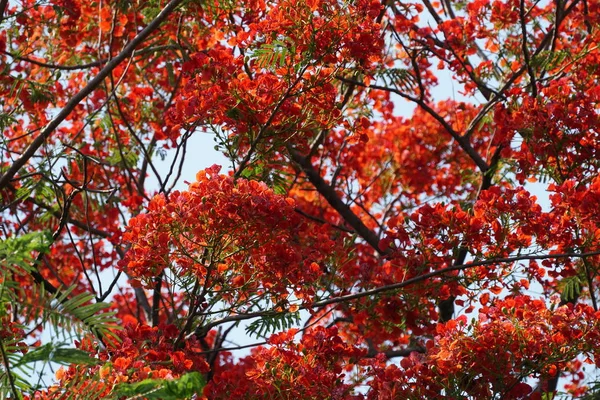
(367, 255)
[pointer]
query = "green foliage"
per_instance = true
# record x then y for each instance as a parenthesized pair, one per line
(17, 368)
(62, 311)
(6, 120)
(279, 184)
(57, 354)
(40, 93)
(127, 158)
(253, 172)
(571, 289)
(274, 55)
(183, 388)
(16, 252)
(19, 382)
(151, 10)
(401, 78)
(263, 327)
(549, 59)
(593, 392)
(275, 179)
(81, 310)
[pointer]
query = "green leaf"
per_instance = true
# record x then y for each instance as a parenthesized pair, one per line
(149, 13)
(549, 59)
(571, 289)
(263, 327)
(18, 250)
(399, 77)
(6, 120)
(274, 55)
(187, 385)
(51, 353)
(183, 388)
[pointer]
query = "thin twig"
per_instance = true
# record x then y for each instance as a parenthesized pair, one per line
(443, 271)
(267, 124)
(462, 141)
(525, 50)
(11, 378)
(88, 65)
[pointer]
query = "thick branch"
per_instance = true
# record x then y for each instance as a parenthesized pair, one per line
(3, 5)
(333, 199)
(156, 299)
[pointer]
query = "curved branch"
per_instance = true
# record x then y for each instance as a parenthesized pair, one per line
(462, 141)
(88, 65)
(433, 274)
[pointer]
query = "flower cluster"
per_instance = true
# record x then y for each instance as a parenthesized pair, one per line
(513, 339)
(312, 368)
(236, 235)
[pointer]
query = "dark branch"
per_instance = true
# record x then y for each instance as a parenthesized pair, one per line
(83, 93)
(392, 287)
(462, 141)
(333, 199)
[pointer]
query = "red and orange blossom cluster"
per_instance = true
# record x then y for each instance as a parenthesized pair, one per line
(378, 240)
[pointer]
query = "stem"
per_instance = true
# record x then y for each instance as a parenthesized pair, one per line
(11, 378)
(333, 199)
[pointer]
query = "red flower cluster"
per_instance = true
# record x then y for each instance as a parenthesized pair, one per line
(513, 339)
(313, 368)
(141, 352)
(235, 235)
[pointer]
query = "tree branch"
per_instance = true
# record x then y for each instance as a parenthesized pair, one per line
(388, 288)
(88, 65)
(8, 372)
(462, 141)
(322, 221)
(83, 93)
(3, 5)
(333, 199)
(461, 267)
